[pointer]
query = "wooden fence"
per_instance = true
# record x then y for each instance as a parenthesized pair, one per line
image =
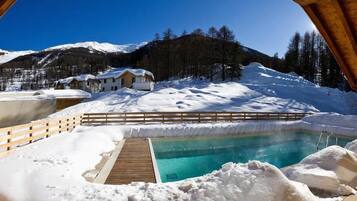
(181, 117)
(16, 136)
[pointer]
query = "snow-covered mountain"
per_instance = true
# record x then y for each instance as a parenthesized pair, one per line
(6, 56)
(101, 47)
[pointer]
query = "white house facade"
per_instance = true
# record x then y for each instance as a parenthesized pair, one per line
(117, 78)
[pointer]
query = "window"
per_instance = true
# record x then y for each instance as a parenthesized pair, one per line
(111, 88)
(87, 83)
(113, 79)
(103, 89)
(115, 88)
(133, 80)
(105, 80)
(122, 81)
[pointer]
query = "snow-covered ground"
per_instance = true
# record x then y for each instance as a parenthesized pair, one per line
(260, 89)
(54, 166)
(54, 169)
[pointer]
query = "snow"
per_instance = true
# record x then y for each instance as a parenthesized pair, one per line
(332, 169)
(8, 56)
(56, 174)
(260, 89)
(67, 93)
(30, 95)
(101, 47)
(82, 77)
(117, 72)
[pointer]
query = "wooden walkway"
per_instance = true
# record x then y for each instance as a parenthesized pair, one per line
(133, 163)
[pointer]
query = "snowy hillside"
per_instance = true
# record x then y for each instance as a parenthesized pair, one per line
(101, 47)
(260, 89)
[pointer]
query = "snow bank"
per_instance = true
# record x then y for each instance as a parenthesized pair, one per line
(56, 174)
(24, 95)
(352, 146)
(54, 162)
(331, 122)
(206, 129)
(332, 169)
(67, 93)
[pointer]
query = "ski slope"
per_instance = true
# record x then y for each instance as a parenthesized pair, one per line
(260, 89)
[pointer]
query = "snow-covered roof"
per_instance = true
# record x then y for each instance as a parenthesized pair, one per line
(117, 72)
(67, 93)
(83, 77)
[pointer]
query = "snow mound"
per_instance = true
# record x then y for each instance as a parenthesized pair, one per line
(8, 56)
(352, 146)
(101, 47)
(333, 169)
(333, 119)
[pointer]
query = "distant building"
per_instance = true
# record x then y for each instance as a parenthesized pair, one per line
(126, 77)
(85, 82)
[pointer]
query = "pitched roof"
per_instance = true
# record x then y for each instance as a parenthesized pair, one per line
(337, 22)
(117, 72)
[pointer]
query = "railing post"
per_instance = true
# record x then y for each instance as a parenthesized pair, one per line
(47, 129)
(231, 117)
(67, 124)
(106, 118)
(30, 134)
(8, 140)
(181, 117)
(59, 126)
(199, 117)
(144, 117)
(125, 118)
(216, 116)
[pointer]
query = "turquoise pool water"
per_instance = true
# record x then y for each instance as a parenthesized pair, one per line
(181, 158)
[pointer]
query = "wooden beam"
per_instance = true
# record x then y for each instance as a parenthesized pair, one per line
(331, 43)
(306, 2)
(346, 25)
(5, 5)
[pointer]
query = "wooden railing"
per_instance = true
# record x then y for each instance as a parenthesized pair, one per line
(20, 135)
(16, 136)
(181, 117)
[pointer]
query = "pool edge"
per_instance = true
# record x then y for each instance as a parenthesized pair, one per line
(154, 164)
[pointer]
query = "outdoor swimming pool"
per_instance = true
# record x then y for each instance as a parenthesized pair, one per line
(181, 158)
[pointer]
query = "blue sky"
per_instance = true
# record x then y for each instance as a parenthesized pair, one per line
(265, 25)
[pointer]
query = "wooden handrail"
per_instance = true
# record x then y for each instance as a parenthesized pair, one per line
(183, 117)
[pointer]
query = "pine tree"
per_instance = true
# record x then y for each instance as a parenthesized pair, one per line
(225, 35)
(292, 56)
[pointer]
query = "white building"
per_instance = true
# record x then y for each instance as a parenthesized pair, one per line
(126, 77)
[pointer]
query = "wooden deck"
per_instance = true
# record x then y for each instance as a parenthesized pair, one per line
(133, 163)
